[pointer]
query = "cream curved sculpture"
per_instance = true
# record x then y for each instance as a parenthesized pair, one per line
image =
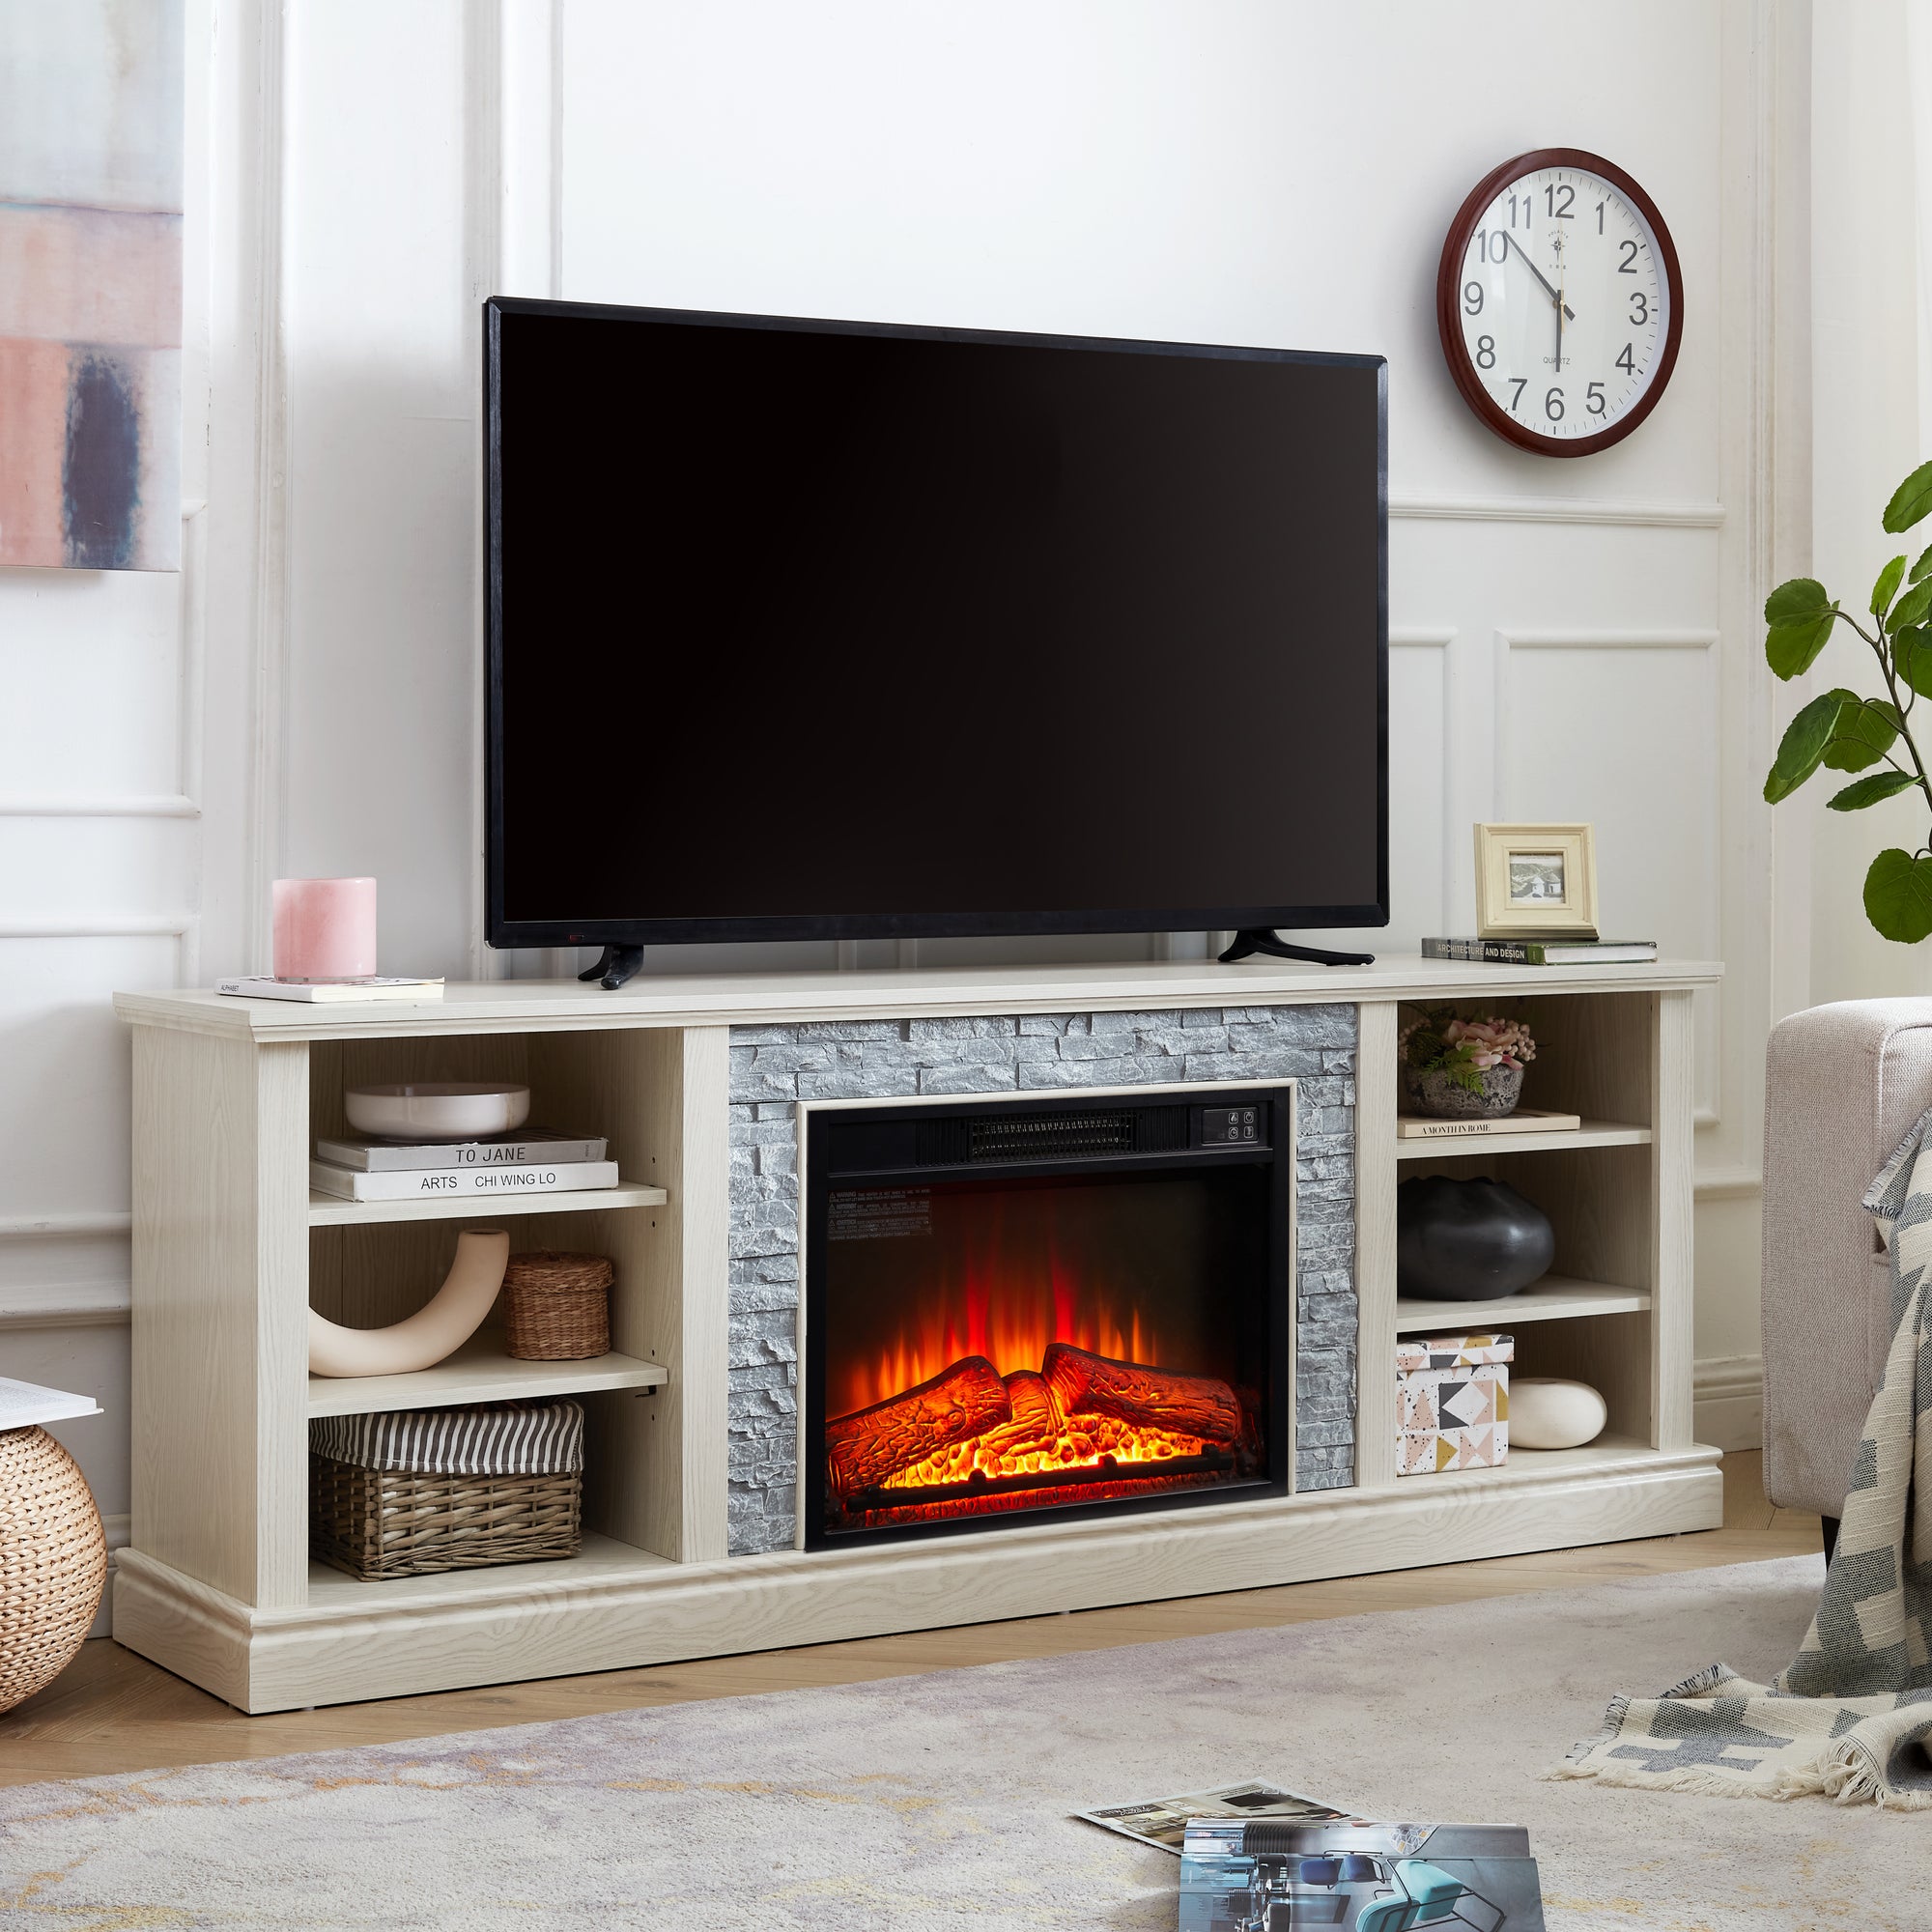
(438, 1328)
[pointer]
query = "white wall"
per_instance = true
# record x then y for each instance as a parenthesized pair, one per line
(1573, 638)
(1870, 404)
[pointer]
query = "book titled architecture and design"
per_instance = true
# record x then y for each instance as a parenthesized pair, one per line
(1543, 952)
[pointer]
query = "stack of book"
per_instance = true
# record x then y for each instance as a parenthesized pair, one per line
(533, 1160)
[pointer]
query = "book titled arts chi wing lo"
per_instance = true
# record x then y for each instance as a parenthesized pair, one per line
(428, 1184)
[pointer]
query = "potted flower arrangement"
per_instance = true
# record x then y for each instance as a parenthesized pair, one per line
(1464, 1069)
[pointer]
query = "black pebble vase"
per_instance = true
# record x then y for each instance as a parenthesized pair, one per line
(1467, 1240)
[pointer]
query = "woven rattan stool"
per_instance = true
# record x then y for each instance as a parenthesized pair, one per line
(53, 1561)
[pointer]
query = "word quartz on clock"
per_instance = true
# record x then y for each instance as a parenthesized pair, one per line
(1559, 303)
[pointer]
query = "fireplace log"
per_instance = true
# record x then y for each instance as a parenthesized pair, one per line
(1088, 1385)
(871, 1444)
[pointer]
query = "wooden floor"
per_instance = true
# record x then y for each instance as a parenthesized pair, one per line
(113, 1710)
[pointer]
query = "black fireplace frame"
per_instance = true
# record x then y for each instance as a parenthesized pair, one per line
(821, 1174)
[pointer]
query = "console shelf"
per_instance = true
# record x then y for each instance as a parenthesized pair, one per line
(231, 1249)
(478, 1371)
(1451, 1146)
(1550, 1300)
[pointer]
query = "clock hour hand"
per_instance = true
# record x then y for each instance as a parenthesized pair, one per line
(1540, 276)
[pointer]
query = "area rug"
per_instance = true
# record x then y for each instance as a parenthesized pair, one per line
(941, 1801)
(1850, 1716)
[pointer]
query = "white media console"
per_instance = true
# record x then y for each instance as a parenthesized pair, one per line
(231, 1249)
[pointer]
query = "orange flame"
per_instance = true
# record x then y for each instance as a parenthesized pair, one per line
(1011, 1328)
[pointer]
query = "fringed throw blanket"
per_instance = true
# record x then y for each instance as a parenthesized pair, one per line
(1851, 1716)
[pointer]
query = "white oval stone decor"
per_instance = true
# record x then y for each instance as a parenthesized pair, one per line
(1546, 1413)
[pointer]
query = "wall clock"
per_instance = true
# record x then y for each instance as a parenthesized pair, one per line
(1560, 302)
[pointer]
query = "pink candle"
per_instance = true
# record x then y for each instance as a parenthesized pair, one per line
(324, 928)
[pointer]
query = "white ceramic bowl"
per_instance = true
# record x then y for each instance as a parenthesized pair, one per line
(437, 1110)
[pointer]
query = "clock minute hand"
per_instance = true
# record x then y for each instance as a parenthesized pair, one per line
(1540, 276)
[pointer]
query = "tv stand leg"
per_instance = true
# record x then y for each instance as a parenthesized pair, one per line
(1252, 939)
(615, 966)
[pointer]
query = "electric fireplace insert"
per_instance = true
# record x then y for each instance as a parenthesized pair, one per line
(1071, 1304)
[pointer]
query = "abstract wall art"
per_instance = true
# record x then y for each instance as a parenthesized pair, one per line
(90, 283)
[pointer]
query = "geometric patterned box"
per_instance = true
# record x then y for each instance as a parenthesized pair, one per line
(1451, 1403)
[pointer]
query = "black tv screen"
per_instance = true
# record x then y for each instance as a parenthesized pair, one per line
(833, 630)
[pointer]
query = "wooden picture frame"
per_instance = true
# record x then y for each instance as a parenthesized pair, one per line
(1536, 881)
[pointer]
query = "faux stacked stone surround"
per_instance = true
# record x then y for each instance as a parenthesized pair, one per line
(774, 1068)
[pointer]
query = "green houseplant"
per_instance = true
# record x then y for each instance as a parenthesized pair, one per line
(1845, 732)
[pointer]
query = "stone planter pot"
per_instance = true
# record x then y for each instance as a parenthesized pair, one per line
(1437, 1095)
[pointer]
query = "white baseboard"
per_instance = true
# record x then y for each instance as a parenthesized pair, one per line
(1728, 1394)
(116, 1527)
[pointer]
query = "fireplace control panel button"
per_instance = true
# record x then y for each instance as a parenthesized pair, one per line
(1232, 1126)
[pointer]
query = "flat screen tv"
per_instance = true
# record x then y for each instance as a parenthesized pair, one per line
(835, 630)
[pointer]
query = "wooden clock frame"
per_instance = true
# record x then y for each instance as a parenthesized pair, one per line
(1449, 299)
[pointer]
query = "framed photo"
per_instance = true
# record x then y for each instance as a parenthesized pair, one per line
(1536, 881)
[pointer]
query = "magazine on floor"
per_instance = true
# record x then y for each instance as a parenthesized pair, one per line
(1267, 1875)
(1164, 1821)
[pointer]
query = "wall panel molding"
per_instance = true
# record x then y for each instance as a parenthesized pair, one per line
(1709, 1109)
(1729, 1183)
(1440, 637)
(67, 1306)
(185, 801)
(512, 122)
(264, 249)
(1608, 640)
(98, 805)
(1415, 506)
(64, 1227)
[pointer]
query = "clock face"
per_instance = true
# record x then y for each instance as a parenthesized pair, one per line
(1559, 303)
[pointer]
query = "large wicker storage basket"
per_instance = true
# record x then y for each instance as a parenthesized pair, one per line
(414, 1491)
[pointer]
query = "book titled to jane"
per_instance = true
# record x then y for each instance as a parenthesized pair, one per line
(532, 1146)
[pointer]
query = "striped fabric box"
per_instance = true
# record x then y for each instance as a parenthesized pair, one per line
(1451, 1403)
(413, 1492)
(496, 1439)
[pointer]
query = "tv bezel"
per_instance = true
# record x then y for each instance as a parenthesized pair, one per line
(503, 932)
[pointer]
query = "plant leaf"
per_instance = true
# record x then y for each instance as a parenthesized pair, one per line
(1802, 746)
(1911, 608)
(1921, 567)
(1898, 897)
(1861, 737)
(1911, 658)
(1790, 649)
(1799, 600)
(1862, 792)
(1911, 501)
(1800, 617)
(1887, 587)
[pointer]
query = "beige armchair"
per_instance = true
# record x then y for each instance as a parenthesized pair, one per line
(1843, 1084)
